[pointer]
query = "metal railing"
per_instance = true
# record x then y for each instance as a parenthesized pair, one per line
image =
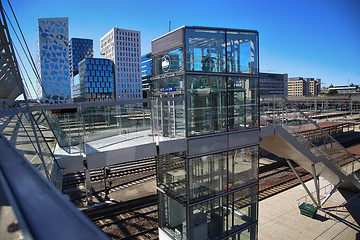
(281, 111)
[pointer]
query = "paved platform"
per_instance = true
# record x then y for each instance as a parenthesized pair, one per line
(280, 218)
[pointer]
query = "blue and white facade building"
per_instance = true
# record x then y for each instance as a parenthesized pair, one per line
(53, 59)
(96, 77)
(123, 47)
(146, 74)
(79, 48)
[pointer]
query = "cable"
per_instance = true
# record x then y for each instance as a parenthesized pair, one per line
(26, 54)
(27, 74)
(27, 47)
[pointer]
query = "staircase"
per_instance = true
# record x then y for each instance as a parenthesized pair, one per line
(291, 134)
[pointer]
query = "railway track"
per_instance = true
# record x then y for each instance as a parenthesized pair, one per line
(128, 220)
(116, 171)
(277, 177)
(138, 219)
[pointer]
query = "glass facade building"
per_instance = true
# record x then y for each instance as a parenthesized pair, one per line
(96, 76)
(53, 59)
(146, 74)
(208, 191)
(80, 48)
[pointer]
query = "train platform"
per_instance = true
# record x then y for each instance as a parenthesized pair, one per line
(280, 218)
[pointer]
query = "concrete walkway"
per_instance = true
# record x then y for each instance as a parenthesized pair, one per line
(280, 218)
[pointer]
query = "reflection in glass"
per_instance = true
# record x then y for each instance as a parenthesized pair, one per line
(221, 172)
(168, 118)
(171, 174)
(208, 175)
(241, 52)
(205, 50)
(168, 63)
(242, 166)
(206, 99)
(225, 215)
(172, 217)
(175, 82)
(242, 103)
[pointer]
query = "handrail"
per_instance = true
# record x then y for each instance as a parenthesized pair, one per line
(42, 211)
(277, 107)
(313, 122)
(304, 138)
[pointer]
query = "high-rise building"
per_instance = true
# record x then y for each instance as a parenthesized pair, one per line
(313, 86)
(79, 49)
(53, 58)
(96, 76)
(299, 86)
(146, 73)
(123, 47)
(273, 84)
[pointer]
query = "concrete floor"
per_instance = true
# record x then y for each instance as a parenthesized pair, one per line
(280, 218)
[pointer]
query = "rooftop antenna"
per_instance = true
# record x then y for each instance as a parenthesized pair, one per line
(169, 25)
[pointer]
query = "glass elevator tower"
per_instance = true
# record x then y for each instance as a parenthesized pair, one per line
(205, 91)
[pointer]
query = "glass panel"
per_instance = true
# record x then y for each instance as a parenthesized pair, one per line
(241, 208)
(169, 118)
(65, 125)
(205, 50)
(248, 234)
(106, 121)
(172, 217)
(172, 175)
(242, 101)
(168, 85)
(242, 166)
(222, 216)
(19, 132)
(242, 52)
(169, 62)
(212, 174)
(206, 98)
(208, 175)
(22, 138)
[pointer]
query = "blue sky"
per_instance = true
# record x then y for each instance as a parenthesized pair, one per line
(306, 38)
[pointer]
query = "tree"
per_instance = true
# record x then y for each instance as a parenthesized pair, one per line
(331, 86)
(352, 85)
(332, 92)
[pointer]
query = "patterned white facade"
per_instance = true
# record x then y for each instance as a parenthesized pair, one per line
(123, 47)
(53, 58)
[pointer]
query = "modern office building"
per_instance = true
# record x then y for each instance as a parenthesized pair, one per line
(273, 84)
(299, 86)
(79, 48)
(296, 87)
(205, 88)
(313, 86)
(146, 74)
(96, 77)
(53, 58)
(123, 47)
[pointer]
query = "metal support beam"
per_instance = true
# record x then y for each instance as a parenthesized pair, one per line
(302, 183)
(330, 194)
(317, 183)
